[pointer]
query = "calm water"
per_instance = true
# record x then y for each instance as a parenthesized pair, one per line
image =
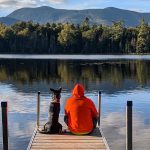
(118, 79)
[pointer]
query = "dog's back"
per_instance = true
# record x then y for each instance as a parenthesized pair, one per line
(53, 125)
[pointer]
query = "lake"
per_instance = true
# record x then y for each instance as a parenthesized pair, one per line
(120, 78)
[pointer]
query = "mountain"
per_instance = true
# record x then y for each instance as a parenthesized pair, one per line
(46, 14)
(8, 21)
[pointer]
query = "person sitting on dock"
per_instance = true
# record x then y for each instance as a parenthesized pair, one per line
(80, 112)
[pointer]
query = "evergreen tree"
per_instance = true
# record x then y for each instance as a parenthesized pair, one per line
(117, 31)
(85, 24)
(143, 37)
(69, 37)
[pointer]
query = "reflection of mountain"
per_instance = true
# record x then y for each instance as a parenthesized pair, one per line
(109, 76)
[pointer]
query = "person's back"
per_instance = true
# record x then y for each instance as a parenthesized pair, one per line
(80, 112)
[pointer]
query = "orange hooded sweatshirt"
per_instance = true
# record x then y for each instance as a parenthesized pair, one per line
(80, 111)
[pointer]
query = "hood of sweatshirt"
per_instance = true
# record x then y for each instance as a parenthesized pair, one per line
(78, 91)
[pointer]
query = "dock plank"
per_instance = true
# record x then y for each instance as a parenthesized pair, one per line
(68, 141)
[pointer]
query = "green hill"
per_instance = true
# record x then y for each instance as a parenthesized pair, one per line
(8, 20)
(46, 14)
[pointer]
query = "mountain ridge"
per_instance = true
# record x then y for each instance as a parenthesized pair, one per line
(105, 16)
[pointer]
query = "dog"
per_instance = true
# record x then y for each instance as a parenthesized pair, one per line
(53, 126)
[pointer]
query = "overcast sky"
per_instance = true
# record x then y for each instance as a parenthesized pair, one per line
(7, 6)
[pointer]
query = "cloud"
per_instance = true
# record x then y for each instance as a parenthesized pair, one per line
(56, 1)
(136, 9)
(17, 3)
(4, 3)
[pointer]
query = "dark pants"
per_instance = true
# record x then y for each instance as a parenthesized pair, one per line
(94, 121)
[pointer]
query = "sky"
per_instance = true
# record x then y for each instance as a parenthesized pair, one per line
(8, 6)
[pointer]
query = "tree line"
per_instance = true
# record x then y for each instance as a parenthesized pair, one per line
(57, 38)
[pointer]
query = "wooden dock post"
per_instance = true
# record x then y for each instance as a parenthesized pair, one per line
(38, 109)
(5, 125)
(99, 107)
(129, 125)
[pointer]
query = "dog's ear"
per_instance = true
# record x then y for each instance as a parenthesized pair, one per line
(52, 90)
(60, 89)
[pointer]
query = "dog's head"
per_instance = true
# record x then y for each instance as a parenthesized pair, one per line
(56, 95)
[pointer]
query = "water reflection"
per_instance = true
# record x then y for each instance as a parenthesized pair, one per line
(119, 80)
(117, 74)
(113, 118)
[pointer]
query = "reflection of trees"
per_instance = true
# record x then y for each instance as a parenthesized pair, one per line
(142, 72)
(22, 76)
(116, 76)
(3, 74)
(65, 71)
(29, 71)
(70, 72)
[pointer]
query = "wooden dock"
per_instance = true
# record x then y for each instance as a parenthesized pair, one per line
(68, 141)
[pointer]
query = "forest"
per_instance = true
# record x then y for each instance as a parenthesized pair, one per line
(57, 38)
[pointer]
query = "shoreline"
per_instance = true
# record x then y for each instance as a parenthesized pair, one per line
(75, 57)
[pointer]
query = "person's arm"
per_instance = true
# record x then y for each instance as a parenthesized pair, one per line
(94, 113)
(66, 113)
(66, 119)
(93, 110)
